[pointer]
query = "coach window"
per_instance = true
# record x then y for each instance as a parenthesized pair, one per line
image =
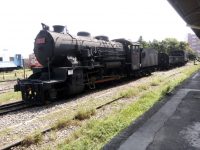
(1, 58)
(11, 58)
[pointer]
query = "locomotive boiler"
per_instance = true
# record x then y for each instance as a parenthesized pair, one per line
(59, 49)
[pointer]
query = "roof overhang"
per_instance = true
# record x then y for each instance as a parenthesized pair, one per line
(189, 10)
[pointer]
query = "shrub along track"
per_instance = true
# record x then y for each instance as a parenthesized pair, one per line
(106, 104)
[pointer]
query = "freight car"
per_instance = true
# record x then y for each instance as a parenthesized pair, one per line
(163, 61)
(73, 63)
(177, 58)
(173, 59)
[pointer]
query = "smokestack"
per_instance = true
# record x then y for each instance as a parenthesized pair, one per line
(83, 33)
(59, 29)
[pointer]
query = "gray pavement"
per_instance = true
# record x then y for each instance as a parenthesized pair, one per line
(175, 126)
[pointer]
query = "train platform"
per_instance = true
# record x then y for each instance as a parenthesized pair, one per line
(175, 125)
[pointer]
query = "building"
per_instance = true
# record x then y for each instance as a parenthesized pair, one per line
(194, 42)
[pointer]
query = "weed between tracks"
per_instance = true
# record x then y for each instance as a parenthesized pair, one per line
(63, 122)
(10, 96)
(33, 139)
(82, 114)
(96, 133)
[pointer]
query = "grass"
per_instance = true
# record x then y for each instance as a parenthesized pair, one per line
(61, 123)
(83, 114)
(10, 96)
(5, 132)
(135, 91)
(15, 74)
(166, 90)
(52, 135)
(154, 84)
(127, 93)
(143, 87)
(96, 133)
(65, 122)
(33, 139)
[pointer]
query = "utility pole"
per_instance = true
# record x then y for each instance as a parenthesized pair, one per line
(23, 67)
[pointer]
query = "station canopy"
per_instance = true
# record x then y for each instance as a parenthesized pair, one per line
(189, 10)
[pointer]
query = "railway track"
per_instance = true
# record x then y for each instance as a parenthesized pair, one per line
(6, 90)
(7, 86)
(1, 81)
(11, 107)
(20, 141)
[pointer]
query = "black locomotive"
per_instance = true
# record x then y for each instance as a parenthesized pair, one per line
(72, 63)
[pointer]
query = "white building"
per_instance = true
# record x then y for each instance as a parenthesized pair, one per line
(194, 42)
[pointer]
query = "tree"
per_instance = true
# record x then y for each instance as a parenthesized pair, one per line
(156, 45)
(185, 46)
(167, 45)
(143, 43)
(172, 44)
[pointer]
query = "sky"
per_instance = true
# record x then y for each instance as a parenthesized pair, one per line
(152, 19)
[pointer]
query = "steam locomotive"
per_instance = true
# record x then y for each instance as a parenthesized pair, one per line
(73, 63)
